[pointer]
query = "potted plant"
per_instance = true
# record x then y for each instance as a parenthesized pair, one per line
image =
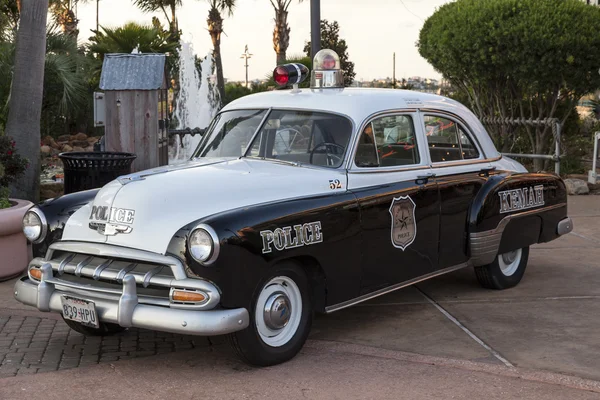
(13, 245)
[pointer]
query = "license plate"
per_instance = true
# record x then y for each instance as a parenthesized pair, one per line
(82, 311)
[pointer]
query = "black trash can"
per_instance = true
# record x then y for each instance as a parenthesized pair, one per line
(91, 170)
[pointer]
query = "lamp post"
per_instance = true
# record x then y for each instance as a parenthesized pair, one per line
(315, 27)
(246, 56)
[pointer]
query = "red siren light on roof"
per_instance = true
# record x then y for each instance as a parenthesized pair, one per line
(287, 74)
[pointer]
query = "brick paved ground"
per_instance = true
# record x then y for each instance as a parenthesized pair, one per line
(30, 344)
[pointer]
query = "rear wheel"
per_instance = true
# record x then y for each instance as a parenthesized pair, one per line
(280, 318)
(105, 328)
(505, 272)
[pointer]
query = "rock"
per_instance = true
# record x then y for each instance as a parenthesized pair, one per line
(89, 148)
(81, 136)
(63, 138)
(45, 150)
(47, 140)
(79, 143)
(77, 148)
(51, 190)
(54, 152)
(577, 186)
(92, 139)
(67, 148)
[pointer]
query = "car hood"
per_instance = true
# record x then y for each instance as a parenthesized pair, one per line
(151, 206)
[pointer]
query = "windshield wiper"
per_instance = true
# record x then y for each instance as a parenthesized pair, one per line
(294, 163)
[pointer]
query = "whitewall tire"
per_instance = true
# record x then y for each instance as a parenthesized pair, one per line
(505, 272)
(280, 318)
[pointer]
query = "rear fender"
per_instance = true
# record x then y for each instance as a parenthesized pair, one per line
(515, 210)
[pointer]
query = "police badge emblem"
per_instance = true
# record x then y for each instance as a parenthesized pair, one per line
(404, 226)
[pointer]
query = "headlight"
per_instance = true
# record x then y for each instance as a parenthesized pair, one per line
(203, 244)
(35, 226)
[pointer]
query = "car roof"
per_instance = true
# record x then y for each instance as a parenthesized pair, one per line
(360, 103)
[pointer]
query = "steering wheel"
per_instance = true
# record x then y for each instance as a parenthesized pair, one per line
(330, 156)
(288, 148)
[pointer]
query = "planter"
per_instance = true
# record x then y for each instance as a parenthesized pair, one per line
(14, 251)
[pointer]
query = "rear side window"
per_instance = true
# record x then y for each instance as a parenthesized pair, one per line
(447, 140)
(388, 141)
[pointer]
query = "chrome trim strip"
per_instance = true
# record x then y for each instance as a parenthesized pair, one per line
(190, 322)
(82, 264)
(484, 245)
(376, 170)
(380, 292)
(100, 268)
(63, 263)
(447, 164)
(148, 275)
(124, 272)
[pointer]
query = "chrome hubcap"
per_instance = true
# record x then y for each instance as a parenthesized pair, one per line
(277, 311)
(509, 257)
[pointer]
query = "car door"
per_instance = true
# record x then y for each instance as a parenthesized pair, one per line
(459, 166)
(398, 199)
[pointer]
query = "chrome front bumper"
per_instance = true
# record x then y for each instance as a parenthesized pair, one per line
(127, 312)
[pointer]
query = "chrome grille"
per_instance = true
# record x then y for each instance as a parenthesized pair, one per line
(104, 270)
(108, 269)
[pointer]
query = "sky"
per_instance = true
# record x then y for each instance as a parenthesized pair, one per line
(373, 30)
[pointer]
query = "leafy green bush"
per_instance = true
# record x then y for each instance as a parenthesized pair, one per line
(12, 166)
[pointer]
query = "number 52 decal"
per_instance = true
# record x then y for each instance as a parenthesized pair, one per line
(335, 184)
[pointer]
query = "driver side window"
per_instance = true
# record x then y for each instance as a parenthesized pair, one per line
(388, 141)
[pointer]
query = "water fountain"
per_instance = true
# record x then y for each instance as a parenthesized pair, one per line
(195, 106)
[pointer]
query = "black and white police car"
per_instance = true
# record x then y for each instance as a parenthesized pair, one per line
(295, 202)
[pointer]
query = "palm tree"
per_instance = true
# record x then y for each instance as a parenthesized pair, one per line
(163, 5)
(65, 16)
(9, 18)
(281, 33)
(215, 28)
(25, 106)
(145, 38)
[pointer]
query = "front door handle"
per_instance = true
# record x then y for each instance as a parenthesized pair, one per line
(422, 179)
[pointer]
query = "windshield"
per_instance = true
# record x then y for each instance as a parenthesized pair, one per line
(303, 137)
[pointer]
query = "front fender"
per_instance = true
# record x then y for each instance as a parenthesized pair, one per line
(57, 211)
(244, 261)
(515, 210)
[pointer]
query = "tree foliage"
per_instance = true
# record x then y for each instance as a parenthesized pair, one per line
(162, 5)
(330, 39)
(126, 38)
(63, 13)
(516, 58)
(281, 32)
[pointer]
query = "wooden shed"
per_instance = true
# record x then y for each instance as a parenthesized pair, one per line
(136, 105)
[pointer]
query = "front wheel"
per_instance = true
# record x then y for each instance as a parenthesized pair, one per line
(280, 318)
(505, 272)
